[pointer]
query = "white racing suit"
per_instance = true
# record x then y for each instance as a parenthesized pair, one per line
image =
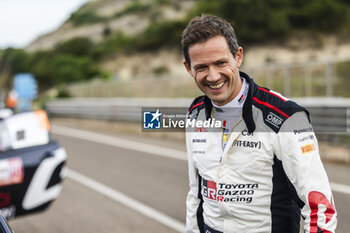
(270, 172)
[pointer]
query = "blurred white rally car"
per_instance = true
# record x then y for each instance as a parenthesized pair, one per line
(31, 165)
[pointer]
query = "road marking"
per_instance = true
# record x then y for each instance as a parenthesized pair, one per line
(143, 147)
(119, 142)
(144, 209)
(127, 201)
(340, 188)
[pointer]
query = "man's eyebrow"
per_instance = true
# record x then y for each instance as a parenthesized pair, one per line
(214, 62)
(221, 60)
(199, 66)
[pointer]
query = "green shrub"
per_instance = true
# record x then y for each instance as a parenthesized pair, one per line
(68, 68)
(160, 70)
(84, 16)
(116, 42)
(63, 92)
(40, 63)
(156, 35)
(159, 34)
(133, 8)
(106, 32)
(162, 2)
(13, 61)
(321, 15)
(78, 46)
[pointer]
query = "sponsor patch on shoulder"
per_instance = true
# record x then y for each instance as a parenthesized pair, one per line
(308, 148)
(308, 137)
(274, 120)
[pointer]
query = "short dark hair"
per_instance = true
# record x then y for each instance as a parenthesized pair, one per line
(201, 29)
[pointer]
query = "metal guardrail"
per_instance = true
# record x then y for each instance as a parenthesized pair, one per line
(115, 109)
(328, 115)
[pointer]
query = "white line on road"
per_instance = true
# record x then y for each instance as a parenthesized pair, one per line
(144, 209)
(119, 142)
(127, 201)
(143, 147)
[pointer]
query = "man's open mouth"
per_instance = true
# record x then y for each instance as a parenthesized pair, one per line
(217, 86)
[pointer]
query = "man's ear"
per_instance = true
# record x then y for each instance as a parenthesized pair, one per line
(239, 56)
(188, 67)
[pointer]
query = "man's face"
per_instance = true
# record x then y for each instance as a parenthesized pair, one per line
(215, 69)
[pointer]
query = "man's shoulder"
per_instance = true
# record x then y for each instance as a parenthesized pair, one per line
(198, 104)
(275, 107)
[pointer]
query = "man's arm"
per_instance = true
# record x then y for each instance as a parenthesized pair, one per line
(299, 152)
(192, 201)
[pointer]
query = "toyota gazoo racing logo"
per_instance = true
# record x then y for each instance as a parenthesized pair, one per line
(222, 192)
(209, 189)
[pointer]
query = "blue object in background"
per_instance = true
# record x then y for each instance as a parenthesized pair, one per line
(26, 88)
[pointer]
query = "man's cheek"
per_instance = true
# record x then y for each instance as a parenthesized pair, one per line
(198, 78)
(231, 68)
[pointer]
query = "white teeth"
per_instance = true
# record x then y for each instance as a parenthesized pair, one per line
(217, 86)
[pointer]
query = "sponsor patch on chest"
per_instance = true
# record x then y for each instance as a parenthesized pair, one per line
(223, 192)
(209, 189)
(248, 144)
(243, 193)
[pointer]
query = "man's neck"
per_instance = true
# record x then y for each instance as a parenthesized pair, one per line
(239, 98)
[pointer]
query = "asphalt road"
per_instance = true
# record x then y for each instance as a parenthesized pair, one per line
(112, 186)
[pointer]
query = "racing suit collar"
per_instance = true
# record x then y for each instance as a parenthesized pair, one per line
(247, 107)
(247, 112)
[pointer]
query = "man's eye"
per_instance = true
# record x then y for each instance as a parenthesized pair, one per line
(200, 68)
(221, 63)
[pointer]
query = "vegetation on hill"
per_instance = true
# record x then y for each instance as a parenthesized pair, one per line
(254, 22)
(257, 21)
(68, 62)
(86, 15)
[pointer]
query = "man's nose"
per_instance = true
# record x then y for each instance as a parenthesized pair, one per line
(213, 74)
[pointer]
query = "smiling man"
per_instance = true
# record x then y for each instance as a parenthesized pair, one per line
(215, 69)
(261, 171)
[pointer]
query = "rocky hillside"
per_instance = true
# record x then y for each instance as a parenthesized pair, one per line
(128, 39)
(97, 18)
